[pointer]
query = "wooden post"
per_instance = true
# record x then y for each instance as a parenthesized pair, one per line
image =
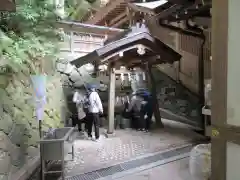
(225, 118)
(111, 98)
(152, 85)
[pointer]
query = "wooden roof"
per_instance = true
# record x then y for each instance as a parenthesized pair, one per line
(108, 12)
(88, 28)
(175, 10)
(128, 45)
(7, 5)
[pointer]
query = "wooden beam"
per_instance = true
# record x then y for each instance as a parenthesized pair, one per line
(86, 28)
(104, 11)
(137, 8)
(203, 21)
(191, 13)
(168, 11)
(118, 18)
(121, 22)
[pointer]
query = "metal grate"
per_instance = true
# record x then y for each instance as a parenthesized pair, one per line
(87, 176)
(131, 164)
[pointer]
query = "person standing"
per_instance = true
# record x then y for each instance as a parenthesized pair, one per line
(147, 110)
(95, 109)
(134, 109)
(81, 115)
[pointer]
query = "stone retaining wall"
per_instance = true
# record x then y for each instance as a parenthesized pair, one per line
(19, 133)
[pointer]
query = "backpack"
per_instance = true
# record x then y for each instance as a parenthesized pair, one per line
(86, 103)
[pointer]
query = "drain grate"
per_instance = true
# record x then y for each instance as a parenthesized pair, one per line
(131, 164)
(87, 176)
(110, 171)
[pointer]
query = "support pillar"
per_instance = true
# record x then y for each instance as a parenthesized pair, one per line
(225, 90)
(152, 85)
(111, 99)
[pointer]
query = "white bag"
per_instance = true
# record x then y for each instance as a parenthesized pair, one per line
(200, 162)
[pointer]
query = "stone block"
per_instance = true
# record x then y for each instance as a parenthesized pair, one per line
(33, 138)
(16, 135)
(4, 81)
(5, 143)
(1, 110)
(16, 156)
(5, 162)
(6, 123)
(194, 113)
(32, 152)
(7, 105)
(10, 89)
(3, 177)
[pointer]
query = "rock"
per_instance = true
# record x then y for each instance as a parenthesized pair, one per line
(16, 153)
(16, 156)
(7, 105)
(5, 162)
(4, 80)
(194, 113)
(32, 152)
(1, 110)
(13, 170)
(10, 89)
(182, 102)
(5, 143)
(16, 136)
(34, 138)
(6, 123)
(3, 177)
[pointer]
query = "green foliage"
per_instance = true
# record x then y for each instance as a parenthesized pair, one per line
(28, 35)
(77, 9)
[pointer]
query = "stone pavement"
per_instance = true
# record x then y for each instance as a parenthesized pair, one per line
(177, 170)
(126, 145)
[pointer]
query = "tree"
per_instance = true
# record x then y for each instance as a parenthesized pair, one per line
(28, 35)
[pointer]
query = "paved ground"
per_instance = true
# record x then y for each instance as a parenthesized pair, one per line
(177, 170)
(127, 144)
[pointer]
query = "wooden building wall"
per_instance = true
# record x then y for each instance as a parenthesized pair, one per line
(189, 47)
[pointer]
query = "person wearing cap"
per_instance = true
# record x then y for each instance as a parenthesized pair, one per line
(95, 108)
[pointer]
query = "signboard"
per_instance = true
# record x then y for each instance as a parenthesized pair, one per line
(39, 89)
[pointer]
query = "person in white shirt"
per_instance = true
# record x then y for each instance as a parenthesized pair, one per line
(81, 116)
(95, 109)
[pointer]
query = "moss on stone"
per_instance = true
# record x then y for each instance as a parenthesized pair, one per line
(6, 123)
(19, 135)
